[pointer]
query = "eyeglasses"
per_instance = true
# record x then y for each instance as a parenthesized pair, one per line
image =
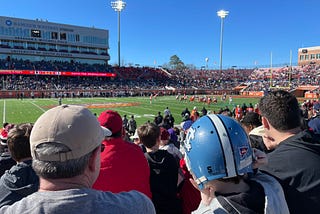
(102, 147)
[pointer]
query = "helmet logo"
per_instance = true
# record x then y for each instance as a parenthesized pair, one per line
(243, 151)
(190, 136)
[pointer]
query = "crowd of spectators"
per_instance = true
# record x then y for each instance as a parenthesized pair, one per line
(290, 77)
(19, 64)
(162, 159)
(212, 79)
(154, 78)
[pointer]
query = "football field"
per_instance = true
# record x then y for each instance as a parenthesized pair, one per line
(28, 110)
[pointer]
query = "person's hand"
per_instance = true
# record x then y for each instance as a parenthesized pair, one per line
(207, 193)
(260, 158)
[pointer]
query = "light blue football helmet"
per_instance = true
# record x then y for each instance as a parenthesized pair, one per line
(216, 146)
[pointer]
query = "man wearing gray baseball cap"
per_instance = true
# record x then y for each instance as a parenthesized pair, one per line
(65, 146)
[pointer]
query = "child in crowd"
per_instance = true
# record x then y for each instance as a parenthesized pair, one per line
(220, 159)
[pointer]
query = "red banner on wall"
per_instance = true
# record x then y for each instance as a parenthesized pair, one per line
(56, 73)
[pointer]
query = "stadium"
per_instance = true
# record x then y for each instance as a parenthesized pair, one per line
(80, 113)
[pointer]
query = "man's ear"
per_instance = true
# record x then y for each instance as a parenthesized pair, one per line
(265, 123)
(94, 160)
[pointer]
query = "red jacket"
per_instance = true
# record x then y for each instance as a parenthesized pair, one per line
(123, 168)
(190, 196)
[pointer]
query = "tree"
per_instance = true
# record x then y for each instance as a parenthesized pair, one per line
(176, 63)
(191, 67)
(166, 66)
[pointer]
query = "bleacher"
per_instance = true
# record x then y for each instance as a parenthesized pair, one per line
(154, 78)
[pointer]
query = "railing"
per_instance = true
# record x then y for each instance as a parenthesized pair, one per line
(106, 93)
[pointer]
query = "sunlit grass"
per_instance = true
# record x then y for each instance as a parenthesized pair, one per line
(28, 110)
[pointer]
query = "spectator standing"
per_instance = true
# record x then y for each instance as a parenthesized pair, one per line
(132, 125)
(171, 120)
(65, 145)
(21, 180)
(185, 112)
(165, 144)
(244, 108)
(238, 112)
(250, 121)
(305, 112)
(163, 171)
(185, 125)
(219, 156)
(125, 122)
(250, 108)
(166, 112)
(189, 195)
(136, 140)
(314, 121)
(256, 108)
(194, 116)
(296, 156)
(165, 123)
(158, 119)
(204, 111)
(6, 161)
(174, 137)
(120, 155)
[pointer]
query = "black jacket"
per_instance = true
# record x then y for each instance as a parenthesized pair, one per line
(163, 181)
(17, 183)
(6, 162)
(251, 201)
(296, 164)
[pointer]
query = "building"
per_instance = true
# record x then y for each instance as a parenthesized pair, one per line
(38, 40)
(310, 55)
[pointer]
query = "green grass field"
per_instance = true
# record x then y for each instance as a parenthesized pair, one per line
(28, 110)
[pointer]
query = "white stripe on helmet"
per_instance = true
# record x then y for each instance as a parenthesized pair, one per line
(226, 145)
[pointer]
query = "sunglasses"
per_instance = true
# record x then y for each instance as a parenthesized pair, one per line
(102, 147)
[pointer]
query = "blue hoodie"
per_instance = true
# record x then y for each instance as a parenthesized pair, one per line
(17, 183)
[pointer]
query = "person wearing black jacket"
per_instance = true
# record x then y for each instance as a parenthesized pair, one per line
(6, 161)
(314, 121)
(158, 119)
(296, 156)
(184, 112)
(163, 171)
(21, 180)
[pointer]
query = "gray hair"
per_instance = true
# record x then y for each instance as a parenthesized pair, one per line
(57, 169)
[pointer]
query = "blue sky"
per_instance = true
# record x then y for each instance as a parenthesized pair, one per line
(154, 30)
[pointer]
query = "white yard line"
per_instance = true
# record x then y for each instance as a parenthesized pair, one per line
(37, 106)
(136, 115)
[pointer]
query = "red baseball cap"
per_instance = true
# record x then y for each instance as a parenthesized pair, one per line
(164, 134)
(111, 120)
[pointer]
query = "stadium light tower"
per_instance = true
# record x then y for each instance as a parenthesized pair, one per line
(118, 6)
(222, 14)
